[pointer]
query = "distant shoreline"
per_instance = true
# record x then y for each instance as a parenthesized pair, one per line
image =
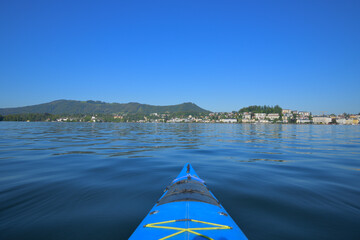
(263, 115)
(188, 123)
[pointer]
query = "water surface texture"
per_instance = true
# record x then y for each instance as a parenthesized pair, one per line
(99, 180)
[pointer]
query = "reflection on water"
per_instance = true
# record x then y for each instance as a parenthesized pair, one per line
(98, 180)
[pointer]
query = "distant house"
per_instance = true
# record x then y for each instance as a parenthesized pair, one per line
(260, 116)
(62, 119)
(273, 116)
(304, 114)
(248, 120)
(303, 121)
(355, 119)
(175, 120)
(286, 111)
(343, 121)
(350, 121)
(286, 118)
(322, 120)
(263, 121)
(247, 116)
(229, 120)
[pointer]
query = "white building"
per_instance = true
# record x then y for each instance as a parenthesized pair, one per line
(347, 121)
(246, 120)
(263, 121)
(247, 116)
(229, 120)
(303, 121)
(321, 120)
(273, 116)
(286, 111)
(260, 116)
(304, 114)
(62, 119)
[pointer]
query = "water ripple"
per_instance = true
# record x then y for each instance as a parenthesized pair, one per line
(98, 180)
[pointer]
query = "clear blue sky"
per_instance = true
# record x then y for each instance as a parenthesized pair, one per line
(221, 55)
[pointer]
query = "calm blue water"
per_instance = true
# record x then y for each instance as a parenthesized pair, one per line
(99, 180)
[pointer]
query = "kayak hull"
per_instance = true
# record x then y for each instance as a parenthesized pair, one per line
(178, 216)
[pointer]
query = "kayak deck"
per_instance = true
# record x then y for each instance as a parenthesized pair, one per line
(188, 210)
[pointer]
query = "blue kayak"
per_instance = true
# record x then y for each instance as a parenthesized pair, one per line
(187, 210)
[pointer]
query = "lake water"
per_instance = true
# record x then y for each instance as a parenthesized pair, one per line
(99, 180)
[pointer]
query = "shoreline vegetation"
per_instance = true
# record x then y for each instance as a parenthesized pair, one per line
(251, 114)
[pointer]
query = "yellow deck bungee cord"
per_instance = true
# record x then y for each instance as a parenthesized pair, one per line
(191, 230)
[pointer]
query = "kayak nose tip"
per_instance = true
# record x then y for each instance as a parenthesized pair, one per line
(188, 168)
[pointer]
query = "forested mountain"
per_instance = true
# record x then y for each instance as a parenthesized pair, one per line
(92, 107)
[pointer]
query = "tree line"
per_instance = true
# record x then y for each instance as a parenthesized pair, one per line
(262, 109)
(129, 117)
(22, 117)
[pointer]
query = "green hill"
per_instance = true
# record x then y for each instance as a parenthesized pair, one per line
(92, 107)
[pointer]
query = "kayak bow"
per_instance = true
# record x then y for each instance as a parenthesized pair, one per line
(187, 210)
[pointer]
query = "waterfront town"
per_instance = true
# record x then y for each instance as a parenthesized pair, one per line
(286, 116)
